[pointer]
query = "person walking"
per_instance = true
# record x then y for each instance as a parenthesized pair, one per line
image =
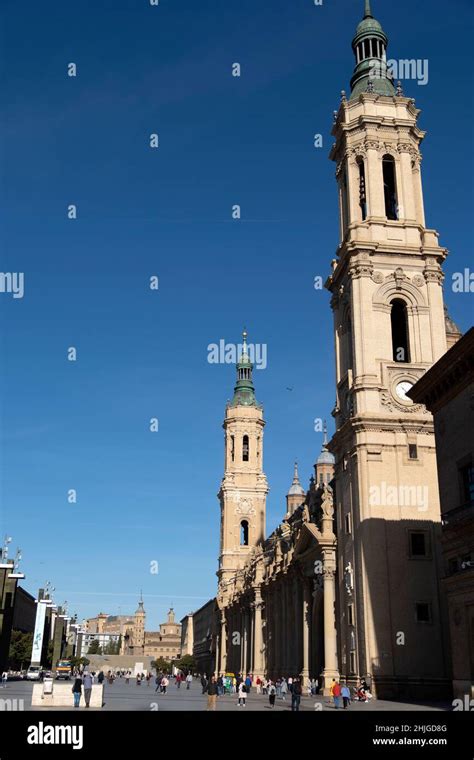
(77, 691)
(248, 683)
(283, 689)
(336, 692)
(272, 695)
(212, 694)
(178, 680)
(204, 683)
(189, 680)
(346, 695)
(296, 695)
(242, 692)
(164, 684)
(87, 683)
(4, 679)
(158, 680)
(100, 677)
(220, 686)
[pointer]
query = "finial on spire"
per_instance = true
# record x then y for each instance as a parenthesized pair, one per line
(295, 474)
(325, 431)
(244, 338)
(367, 11)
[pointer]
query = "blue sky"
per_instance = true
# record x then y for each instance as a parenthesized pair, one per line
(141, 212)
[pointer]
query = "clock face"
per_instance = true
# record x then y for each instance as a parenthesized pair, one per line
(402, 388)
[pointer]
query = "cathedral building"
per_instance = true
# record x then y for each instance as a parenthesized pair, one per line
(276, 595)
(349, 584)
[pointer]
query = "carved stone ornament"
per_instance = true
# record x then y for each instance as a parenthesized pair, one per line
(245, 507)
(327, 504)
(377, 277)
(388, 401)
(418, 280)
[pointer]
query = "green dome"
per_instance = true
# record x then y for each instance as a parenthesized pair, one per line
(368, 25)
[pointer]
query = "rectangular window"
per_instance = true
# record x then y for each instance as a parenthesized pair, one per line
(467, 484)
(412, 451)
(423, 612)
(418, 544)
(350, 614)
(348, 521)
(453, 566)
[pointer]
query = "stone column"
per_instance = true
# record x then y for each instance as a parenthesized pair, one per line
(330, 670)
(307, 611)
(257, 643)
(223, 663)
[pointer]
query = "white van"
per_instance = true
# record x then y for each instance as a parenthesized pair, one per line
(33, 673)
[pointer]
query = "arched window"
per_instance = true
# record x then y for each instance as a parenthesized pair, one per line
(362, 194)
(244, 533)
(232, 447)
(389, 187)
(344, 204)
(399, 321)
(245, 449)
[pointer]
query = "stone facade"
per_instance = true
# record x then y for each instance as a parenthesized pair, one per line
(447, 390)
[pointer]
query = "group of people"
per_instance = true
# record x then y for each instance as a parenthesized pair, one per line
(342, 691)
(84, 681)
(216, 687)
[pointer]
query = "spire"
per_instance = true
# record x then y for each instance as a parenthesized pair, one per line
(325, 456)
(244, 391)
(140, 608)
(371, 73)
(296, 487)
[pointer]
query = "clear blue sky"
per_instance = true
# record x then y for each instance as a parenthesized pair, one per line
(141, 354)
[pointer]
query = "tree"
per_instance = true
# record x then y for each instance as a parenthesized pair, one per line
(186, 663)
(94, 647)
(20, 650)
(76, 662)
(161, 665)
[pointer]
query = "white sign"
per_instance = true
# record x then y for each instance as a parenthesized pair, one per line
(38, 634)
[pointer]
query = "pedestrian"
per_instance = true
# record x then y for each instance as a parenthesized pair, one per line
(234, 685)
(346, 695)
(278, 687)
(271, 695)
(264, 686)
(212, 694)
(220, 686)
(139, 680)
(87, 682)
(336, 692)
(290, 685)
(295, 695)
(101, 677)
(77, 691)
(258, 683)
(164, 684)
(4, 679)
(284, 689)
(242, 692)
(148, 679)
(204, 683)
(189, 680)
(248, 683)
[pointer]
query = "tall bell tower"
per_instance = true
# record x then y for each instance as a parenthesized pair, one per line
(244, 488)
(389, 328)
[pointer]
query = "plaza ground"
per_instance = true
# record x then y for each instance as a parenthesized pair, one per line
(121, 696)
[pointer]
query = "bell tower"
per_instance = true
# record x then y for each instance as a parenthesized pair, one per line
(389, 328)
(244, 488)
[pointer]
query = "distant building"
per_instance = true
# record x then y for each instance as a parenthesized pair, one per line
(447, 390)
(166, 642)
(198, 637)
(135, 641)
(85, 640)
(24, 611)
